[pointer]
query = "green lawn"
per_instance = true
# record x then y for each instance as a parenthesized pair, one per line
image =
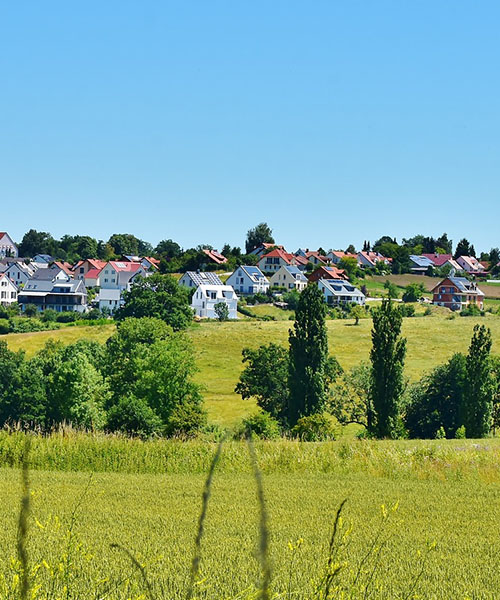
(155, 518)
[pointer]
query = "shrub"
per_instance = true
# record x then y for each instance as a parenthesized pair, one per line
(49, 316)
(413, 292)
(133, 416)
(440, 434)
(222, 311)
(4, 326)
(472, 311)
(460, 433)
(427, 311)
(261, 425)
(67, 317)
(316, 428)
(407, 310)
(30, 310)
(186, 420)
(4, 313)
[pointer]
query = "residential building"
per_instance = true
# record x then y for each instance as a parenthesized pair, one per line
(207, 296)
(337, 292)
(337, 255)
(109, 299)
(42, 260)
(92, 277)
(370, 259)
(19, 272)
(8, 290)
(150, 263)
(438, 260)
(116, 274)
(264, 248)
(192, 279)
(82, 267)
(248, 280)
(7, 246)
(456, 293)
(328, 272)
(57, 294)
(215, 257)
(274, 260)
(52, 273)
(471, 265)
(289, 277)
(420, 264)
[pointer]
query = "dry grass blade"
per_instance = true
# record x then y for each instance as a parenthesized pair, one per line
(22, 531)
(138, 566)
(195, 567)
(263, 524)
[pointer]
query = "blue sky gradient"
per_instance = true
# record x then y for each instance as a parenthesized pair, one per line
(333, 121)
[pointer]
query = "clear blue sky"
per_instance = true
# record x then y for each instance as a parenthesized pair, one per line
(333, 121)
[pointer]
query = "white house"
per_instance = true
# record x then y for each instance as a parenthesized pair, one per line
(8, 290)
(115, 275)
(248, 280)
(470, 264)
(109, 299)
(7, 246)
(19, 272)
(289, 277)
(207, 296)
(338, 291)
(192, 279)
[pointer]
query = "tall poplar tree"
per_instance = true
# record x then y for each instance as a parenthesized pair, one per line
(479, 390)
(387, 363)
(308, 378)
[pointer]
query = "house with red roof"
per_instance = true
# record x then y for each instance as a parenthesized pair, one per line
(328, 272)
(371, 259)
(82, 267)
(456, 293)
(471, 265)
(215, 257)
(264, 248)
(337, 255)
(274, 260)
(7, 246)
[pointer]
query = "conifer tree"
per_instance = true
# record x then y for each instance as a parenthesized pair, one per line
(387, 362)
(309, 364)
(478, 393)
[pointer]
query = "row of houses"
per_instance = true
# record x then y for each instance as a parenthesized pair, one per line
(465, 264)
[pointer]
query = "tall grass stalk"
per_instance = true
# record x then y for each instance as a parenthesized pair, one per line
(263, 523)
(22, 532)
(195, 567)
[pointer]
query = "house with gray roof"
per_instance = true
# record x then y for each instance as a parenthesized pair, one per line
(248, 280)
(337, 292)
(57, 294)
(457, 293)
(289, 277)
(192, 279)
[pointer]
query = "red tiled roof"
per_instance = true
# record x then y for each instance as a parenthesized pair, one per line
(217, 257)
(93, 273)
(438, 259)
(119, 265)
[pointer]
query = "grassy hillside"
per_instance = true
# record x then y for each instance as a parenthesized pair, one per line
(431, 340)
(447, 493)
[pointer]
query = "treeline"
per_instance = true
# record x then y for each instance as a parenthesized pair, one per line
(300, 389)
(140, 382)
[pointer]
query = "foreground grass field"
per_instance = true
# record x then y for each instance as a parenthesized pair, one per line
(448, 493)
(431, 341)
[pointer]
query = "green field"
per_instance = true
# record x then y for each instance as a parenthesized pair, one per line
(447, 492)
(431, 341)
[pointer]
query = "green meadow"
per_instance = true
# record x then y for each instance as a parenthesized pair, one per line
(218, 346)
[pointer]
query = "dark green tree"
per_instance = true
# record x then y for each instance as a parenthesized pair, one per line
(463, 248)
(477, 404)
(261, 234)
(265, 378)
(168, 249)
(435, 401)
(222, 311)
(308, 378)
(36, 242)
(413, 292)
(158, 296)
(387, 363)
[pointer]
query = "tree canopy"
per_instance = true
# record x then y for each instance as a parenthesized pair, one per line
(260, 234)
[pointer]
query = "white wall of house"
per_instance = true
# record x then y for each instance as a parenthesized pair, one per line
(245, 283)
(7, 246)
(207, 296)
(8, 291)
(291, 281)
